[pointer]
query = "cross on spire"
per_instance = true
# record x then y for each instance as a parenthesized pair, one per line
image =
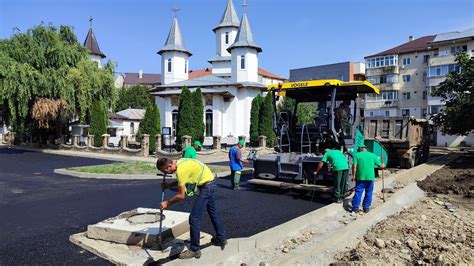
(244, 5)
(175, 10)
(90, 22)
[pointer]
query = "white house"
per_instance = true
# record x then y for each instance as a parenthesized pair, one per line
(125, 122)
(228, 87)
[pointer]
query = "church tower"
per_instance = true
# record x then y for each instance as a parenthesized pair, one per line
(91, 44)
(244, 54)
(225, 33)
(174, 56)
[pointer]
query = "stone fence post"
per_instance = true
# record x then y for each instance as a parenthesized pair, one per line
(124, 141)
(105, 140)
(75, 139)
(262, 141)
(186, 141)
(216, 142)
(146, 145)
(157, 142)
(90, 140)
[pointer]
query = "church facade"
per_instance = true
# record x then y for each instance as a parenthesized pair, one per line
(228, 87)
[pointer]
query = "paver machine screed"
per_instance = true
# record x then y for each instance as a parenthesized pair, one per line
(300, 147)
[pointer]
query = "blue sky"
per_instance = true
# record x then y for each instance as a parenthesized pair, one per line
(292, 33)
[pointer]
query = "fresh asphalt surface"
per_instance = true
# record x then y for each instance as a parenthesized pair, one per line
(39, 210)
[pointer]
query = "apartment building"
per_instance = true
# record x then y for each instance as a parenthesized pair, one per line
(345, 71)
(400, 73)
(407, 74)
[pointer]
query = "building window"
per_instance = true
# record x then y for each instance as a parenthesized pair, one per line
(209, 123)
(406, 61)
(132, 128)
(434, 109)
(380, 61)
(227, 38)
(382, 97)
(174, 121)
(387, 113)
(371, 114)
(406, 78)
(383, 79)
(186, 66)
(443, 70)
(406, 96)
(169, 65)
(425, 94)
(242, 62)
(405, 112)
(457, 49)
(424, 112)
(426, 59)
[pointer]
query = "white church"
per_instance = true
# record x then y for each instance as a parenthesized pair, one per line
(228, 86)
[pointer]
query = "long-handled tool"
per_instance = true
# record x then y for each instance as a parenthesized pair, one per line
(383, 179)
(160, 240)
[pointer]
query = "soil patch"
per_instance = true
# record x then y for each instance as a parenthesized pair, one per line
(456, 178)
(436, 230)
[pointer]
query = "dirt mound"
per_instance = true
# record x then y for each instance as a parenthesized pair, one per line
(456, 178)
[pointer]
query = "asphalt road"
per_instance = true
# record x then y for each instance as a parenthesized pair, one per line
(39, 210)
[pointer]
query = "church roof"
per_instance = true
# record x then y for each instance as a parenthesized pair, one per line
(202, 81)
(244, 36)
(208, 71)
(91, 44)
(229, 18)
(219, 58)
(130, 113)
(175, 40)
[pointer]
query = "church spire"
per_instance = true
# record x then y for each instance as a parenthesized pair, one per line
(175, 40)
(91, 42)
(229, 18)
(244, 36)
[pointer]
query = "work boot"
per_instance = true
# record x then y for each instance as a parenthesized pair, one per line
(217, 242)
(188, 254)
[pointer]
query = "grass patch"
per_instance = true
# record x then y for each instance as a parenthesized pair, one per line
(131, 168)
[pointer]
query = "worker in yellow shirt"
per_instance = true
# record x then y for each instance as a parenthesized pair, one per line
(194, 172)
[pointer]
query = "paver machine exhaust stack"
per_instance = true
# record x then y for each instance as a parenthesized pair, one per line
(300, 146)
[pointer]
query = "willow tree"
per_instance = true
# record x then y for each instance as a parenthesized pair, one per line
(48, 62)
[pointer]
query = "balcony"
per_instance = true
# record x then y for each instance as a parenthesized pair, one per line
(441, 60)
(385, 70)
(434, 81)
(388, 86)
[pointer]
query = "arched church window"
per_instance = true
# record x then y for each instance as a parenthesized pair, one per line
(208, 123)
(242, 62)
(169, 65)
(132, 128)
(227, 38)
(186, 66)
(174, 121)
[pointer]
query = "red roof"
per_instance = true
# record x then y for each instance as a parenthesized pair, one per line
(207, 71)
(418, 45)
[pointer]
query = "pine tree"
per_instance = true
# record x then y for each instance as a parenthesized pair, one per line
(255, 120)
(185, 116)
(98, 122)
(266, 117)
(150, 125)
(198, 120)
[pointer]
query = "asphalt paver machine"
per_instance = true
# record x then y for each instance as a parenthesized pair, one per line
(300, 147)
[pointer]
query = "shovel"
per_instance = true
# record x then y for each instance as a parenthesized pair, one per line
(160, 240)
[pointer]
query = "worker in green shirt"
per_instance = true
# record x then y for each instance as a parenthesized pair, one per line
(363, 170)
(340, 169)
(190, 151)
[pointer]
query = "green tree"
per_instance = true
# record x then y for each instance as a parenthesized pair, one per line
(198, 119)
(49, 63)
(456, 118)
(136, 97)
(98, 122)
(266, 117)
(150, 125)
(255, 120)
(185, 116)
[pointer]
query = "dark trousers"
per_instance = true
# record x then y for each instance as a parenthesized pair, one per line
(361, 186)
(205, 200)
(235, 178)
(340, 183)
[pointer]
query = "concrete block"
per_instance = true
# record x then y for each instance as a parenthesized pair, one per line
(140, 227)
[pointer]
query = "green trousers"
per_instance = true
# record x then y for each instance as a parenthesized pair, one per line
(340, 183)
